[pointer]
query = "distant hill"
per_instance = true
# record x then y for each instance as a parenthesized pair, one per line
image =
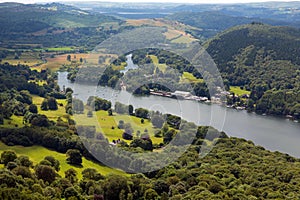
(30, 18)
(265, 60)
(49, 24)
(283, 11)
(214, 22)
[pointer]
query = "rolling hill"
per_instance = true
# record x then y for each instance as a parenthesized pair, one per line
(51, 25)
(263, 59)
(214, 22)
(29, 18)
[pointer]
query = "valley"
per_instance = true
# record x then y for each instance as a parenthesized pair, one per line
(79, 122)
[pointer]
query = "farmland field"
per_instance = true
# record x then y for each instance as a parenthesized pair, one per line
(59, 60)
(26, 58)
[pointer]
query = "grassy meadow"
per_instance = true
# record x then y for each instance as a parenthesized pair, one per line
(108, 125)
(13, 122)
(38, 153)
(104, 123)
(185, 39)
(161, 67)
(238, 91)
(51, 114)
(189, 78)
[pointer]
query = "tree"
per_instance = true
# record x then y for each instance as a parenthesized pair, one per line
(109, 111)
(92, 174)
(25, 97)
(8, 156)
(121, 124)
(130, 109)
(22, 171)
(145, 144)
(11, 165)
(69, 58)
(150, 194)
(33, 109)
(46, 173)
(7, 109)
(157, 121)
(161, 186)
(100, 104)
(40, 120)
(1, 119)
(113, 186)
(128, 128)
(54, 162)
(142, 113)
(127, 136)
(168, 136)
(24, 161)
(44, 105)
(71, 192)
(121, 108)
(52, 103)
(74, 157)
(71, 175)
(215, 187)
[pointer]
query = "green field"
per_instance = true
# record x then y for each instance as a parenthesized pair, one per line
(182, 39)
(104, 124)
(37, 154)
(17, 121)
(190, 78)
(161, 67)
(103, 121)
(60, 49)
(51, 114)
(13, 122)
(38, 82)
(238, 91)
(53, 49)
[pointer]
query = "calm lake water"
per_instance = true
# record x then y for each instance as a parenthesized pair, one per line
(273, 133)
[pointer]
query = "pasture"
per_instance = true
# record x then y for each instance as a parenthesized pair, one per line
(238, 91)
(38, 153)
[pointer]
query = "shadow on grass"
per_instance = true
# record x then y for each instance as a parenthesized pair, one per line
(76, 165)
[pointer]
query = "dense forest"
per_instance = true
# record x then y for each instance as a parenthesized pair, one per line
(247, 56)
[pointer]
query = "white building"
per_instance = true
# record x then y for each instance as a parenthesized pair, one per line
(182, 94)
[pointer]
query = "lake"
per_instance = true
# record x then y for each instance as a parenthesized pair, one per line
(273, 133)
